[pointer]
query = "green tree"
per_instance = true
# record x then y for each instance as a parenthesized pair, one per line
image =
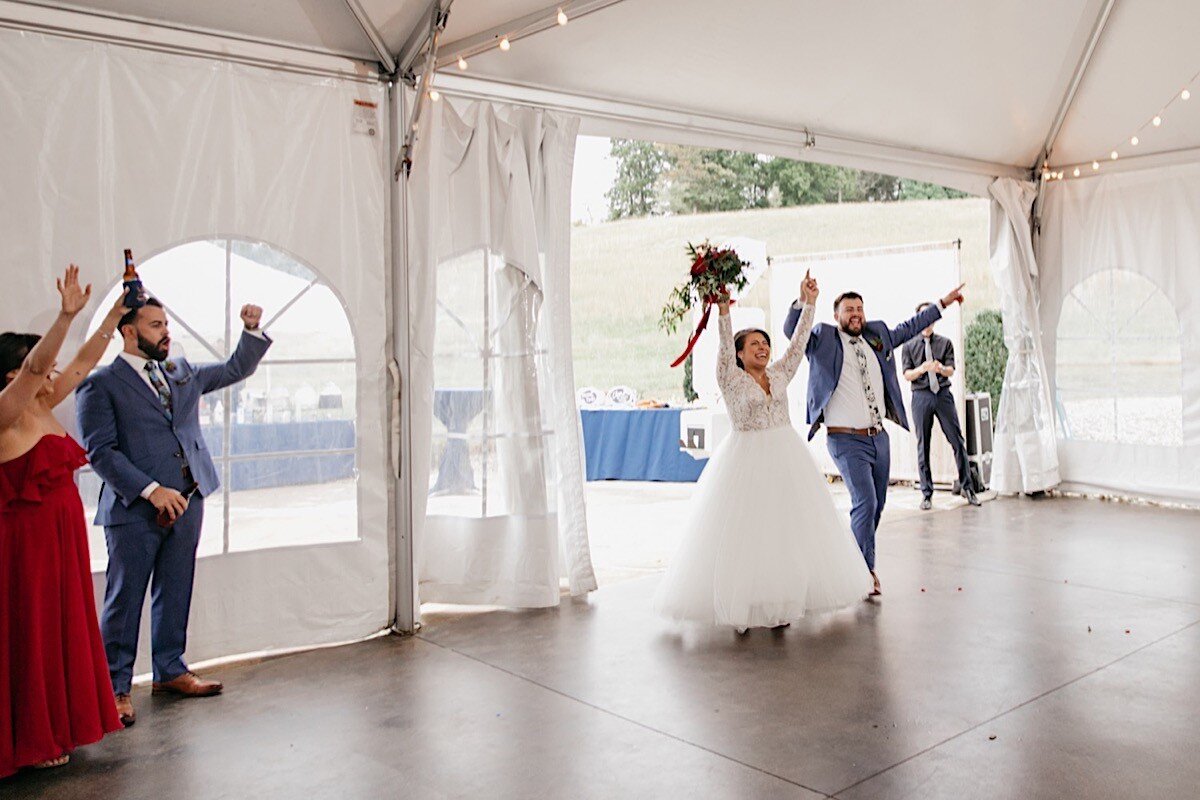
(635, 190)
(919, 190)
(986, 355)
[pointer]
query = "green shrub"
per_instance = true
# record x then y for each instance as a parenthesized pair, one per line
(689, 391)
(986, 356)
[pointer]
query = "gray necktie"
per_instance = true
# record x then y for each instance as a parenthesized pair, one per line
(935, 381)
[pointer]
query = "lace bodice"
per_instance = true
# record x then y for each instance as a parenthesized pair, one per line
(750, 408)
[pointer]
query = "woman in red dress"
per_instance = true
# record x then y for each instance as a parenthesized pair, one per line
(55, 693)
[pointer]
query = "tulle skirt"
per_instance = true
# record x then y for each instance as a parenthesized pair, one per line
(764, 543)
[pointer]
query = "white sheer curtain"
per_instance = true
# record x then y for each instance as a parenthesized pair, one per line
(1025, 450)
(1121, 317)
(493, 384)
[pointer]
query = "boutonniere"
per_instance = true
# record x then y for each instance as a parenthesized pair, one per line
(170, 367)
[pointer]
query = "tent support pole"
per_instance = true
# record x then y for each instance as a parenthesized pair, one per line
(1081, 68)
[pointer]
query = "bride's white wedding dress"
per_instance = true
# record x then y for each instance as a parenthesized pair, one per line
(764, 543)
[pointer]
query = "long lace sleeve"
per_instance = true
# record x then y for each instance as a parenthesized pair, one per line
(785, 368)
(726, 356)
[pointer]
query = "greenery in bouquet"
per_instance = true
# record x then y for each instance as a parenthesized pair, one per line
(715, 271)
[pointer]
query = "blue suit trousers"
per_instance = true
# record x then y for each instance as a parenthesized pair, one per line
(865, 463)
(142, 554)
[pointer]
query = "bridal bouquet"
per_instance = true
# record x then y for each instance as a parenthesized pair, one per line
(714, 272)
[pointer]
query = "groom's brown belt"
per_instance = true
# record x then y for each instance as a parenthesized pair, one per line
(855, 431)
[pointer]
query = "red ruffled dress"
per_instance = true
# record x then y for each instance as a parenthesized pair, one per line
(55, 692)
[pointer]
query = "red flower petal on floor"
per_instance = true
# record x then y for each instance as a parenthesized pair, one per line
(922, 588)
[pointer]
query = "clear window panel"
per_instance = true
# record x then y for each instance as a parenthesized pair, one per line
(289, 500)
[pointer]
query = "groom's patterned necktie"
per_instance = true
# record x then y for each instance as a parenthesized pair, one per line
(860, 354)
(160, 386)
(935, 382)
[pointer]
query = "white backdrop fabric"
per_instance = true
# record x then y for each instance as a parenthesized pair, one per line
(107, 147)
(1025, 458)
(892, 280)
(1148, 223)
(497, 179)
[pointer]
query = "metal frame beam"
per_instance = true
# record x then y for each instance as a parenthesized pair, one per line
(624, 118)
(372, 34)
(520, 28)
(1081, 67)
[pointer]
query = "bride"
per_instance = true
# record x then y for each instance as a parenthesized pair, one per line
(764, 544)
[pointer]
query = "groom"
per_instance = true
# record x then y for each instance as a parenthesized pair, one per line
(140, 422)
(852, 388)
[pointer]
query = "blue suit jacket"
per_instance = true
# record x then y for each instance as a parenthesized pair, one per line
(130, 441)
(824, 353)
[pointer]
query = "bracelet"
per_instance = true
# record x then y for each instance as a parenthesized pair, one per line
(104, 335)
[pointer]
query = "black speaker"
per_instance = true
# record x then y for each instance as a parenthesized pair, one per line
(979, 437)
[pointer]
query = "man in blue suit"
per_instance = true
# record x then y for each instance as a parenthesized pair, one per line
(140, 421)
(852, 388)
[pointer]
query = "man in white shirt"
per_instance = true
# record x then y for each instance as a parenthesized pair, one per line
(140, 421)
(852, 388)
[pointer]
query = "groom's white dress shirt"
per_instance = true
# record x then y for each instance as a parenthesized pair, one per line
(848, 407)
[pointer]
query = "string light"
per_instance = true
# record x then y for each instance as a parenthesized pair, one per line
(1185, 95)
(504, 44)
(1095, 165)
(462, 63)
(1113, 155)
(1134, 141)
(1076, 172)
(1156, 121)
(562, 17)
(435, 95)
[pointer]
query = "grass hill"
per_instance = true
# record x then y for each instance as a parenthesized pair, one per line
(622, 272)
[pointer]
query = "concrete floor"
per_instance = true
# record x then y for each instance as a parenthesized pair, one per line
(1026, 649)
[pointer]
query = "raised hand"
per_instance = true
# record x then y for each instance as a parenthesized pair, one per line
(251, 316)
(955, 296)
(74, 298)
(809, 289)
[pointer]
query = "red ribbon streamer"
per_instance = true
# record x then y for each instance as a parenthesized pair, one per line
(708, 304)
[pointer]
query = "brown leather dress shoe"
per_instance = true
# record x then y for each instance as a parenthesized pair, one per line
(125, 709)
(189, 684)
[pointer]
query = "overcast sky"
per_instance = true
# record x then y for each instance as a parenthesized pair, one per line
(594, 173)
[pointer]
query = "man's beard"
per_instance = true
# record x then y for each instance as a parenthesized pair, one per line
(846, 330)
(152, 350)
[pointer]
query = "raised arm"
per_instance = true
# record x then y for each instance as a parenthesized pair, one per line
(930, 314)
(798, 335)
(241, 365)
(88, 356)
(726, 356)
(38, 363)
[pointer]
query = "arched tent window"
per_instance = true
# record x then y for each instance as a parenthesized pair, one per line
(1119, 375)
(284, 440)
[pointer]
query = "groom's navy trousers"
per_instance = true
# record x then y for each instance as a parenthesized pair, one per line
(865, 462)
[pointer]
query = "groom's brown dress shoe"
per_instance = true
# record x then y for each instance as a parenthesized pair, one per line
(125, 709)
(875, 591)
(189, 684)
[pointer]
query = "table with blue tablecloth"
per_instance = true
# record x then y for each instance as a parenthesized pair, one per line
(636, 444)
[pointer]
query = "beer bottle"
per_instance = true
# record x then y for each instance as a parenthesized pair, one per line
(132, 283)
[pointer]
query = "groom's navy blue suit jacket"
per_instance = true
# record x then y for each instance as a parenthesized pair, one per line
(824, 354)
(131, 442)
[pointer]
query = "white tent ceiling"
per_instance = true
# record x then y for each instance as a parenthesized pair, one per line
(967, 86)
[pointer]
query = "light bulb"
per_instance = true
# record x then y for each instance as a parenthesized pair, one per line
(462, 63)
(1157, 121)
(504, 45)
(1185, 95)
(1113, 155)
(1076, 172)
(562, 17)
(1095, 165)
(1134, 141)
(434, 95)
